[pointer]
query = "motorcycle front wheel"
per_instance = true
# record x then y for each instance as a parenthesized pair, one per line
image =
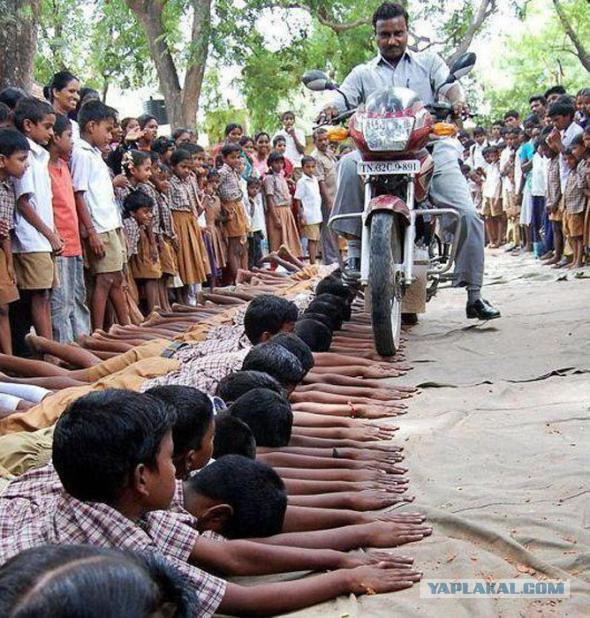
(385, 282)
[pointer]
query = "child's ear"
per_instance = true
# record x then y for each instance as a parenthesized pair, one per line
(27, 125)
(191, 461)
(140, 480)
(215, 518)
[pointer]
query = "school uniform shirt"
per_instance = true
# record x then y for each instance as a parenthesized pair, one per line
(291, 151)
(517, 170)
(553, 187)
(476, 155)
(7, 203)
(573, 196)
(64, 208)
(326, 170)
(276, 185)
(538, 175)
(507, 166)
(36, 184)
(179, 197)
(257, 220)
(35, 510)
(567, 136)
(246, 201)
(90, 174)
(229, 189)
(308, 193)
(493, 182)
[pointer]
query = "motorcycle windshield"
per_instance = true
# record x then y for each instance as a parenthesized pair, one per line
(390, 102)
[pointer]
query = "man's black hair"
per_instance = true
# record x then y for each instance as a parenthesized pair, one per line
(268, 415)
(62, 123)
(194, 415)
(254, 490)
(538, 97)
(511, 113)
(315, 334)
(389, 10)
(31, 109)
(233, 437)
(12, 141)
(330, 321)
(238, 383)
(103, 436)
(268, 313)
(135, 200)
(560, 108)
(11, 96)
(227, 149)
(298, 347)
(277, 361)
(95, 111)
(555, 90)
(180, 155)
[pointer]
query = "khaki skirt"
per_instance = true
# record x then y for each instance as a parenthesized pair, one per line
(193, 263)
(168, 257)
(286, 234)
(141, 265)
(219, 246)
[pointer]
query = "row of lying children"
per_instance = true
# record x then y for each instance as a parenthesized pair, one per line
(116, 455)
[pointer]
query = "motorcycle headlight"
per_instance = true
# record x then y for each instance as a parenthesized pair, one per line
(387, 133)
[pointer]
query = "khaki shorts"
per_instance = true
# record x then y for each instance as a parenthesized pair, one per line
(492, 207)
(573, 224)
(114, 257)
(8, 289)
(34, 271)
(311, 232)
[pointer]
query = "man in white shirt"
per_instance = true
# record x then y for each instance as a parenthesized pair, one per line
(309, 201)
(295, 142)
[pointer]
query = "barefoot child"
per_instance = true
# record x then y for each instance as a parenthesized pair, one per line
(98, 212)
(70, 316)
(213, 218)
(14, 152)
(232, 208)
(257, 223)
(35, 238)
(281, 226)
(574, 204)
(492, 197)
(309, 201)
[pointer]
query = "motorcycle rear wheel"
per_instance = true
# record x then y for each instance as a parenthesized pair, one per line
(385, 282)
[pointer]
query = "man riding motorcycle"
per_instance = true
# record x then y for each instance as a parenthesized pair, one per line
(422, 72)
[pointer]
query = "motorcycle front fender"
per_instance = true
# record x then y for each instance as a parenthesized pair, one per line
(390, 203)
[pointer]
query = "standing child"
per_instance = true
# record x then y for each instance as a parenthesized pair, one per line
(574, 199)
(98, 212)
(232, 208)
(69, 314)
(309, 201)
(280, 224)
(35, 238)
(144, 262)
(191, 253)
(492, 200)
(257, 223)
(212, 206)
(553, 204)
(14, 152)
(509, 203)
(295, 142)
(538, 184)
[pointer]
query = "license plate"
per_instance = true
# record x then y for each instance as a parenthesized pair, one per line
(388, 167)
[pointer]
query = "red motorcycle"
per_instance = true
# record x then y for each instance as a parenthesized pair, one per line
(392, 131)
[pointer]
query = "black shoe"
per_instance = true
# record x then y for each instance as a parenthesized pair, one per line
(409, 319)
(482, 310)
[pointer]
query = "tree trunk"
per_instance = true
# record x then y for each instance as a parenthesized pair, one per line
(181, 102)
(485, 9)
(581, 51)
(18, 42)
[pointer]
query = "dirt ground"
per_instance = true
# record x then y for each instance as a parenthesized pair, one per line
(498, 446)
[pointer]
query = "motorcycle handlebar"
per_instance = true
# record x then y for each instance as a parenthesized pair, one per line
(335, 120)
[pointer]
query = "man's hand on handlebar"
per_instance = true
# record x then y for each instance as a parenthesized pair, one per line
(460, 109)
(326, 115)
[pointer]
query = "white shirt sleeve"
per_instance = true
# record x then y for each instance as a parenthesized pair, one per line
(80, 166)
(26, 184)
(299, 191)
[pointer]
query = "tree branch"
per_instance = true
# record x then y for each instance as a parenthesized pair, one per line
(582, 52)
(485, 9)
(338, 27)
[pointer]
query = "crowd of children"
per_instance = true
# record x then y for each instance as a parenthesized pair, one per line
(530, 179)
(102, 219)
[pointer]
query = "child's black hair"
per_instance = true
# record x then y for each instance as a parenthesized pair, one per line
(135, 200)
(277, 361)
(307, 159)
(212, 174)
(561, 108)
(227, 149)
(287, 113)
(180, 155)
(103, 436)
(11, 96)
(193, 148)
(244, 140)
(62, 123)
(233, 437)
(5, 112)
(230, 127)
(298, 347)
(144, 119)
(479, 131)
(238, 383)
(273, 157)
(12, 141)
(316, 335)
(337, 301)
(511, 113)
(31, 109)
(95, 111)
(331, 322)
(194, 415)
(333, 285)
(133, 158)
(268, 313)
(319, 306)
(268, 415)
(58, 82)
(253, 181)
(278, 138)
(254, 490)
(162, 144)
(178, 132)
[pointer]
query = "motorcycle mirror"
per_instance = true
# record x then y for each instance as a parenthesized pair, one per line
(318, 81)
(461, 66)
